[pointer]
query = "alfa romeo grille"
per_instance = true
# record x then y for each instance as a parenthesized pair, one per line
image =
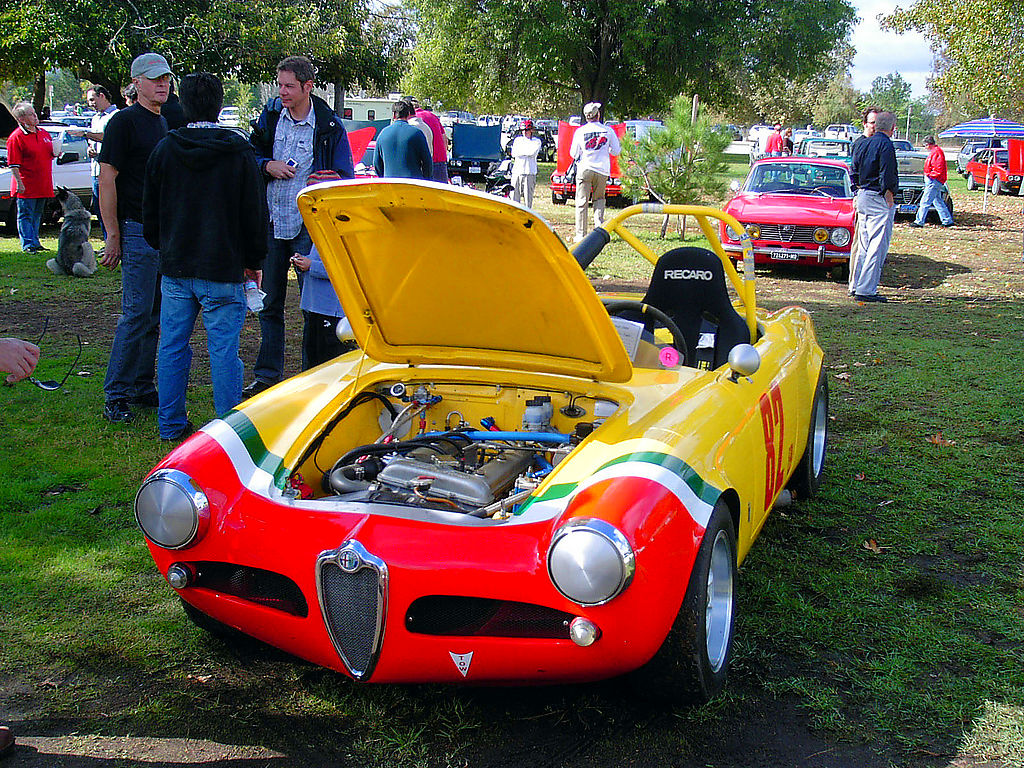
(352, 587)
(787, 233)
(907, 195)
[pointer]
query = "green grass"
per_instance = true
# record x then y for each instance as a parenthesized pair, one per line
(887, 610)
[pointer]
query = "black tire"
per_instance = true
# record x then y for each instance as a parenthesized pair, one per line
(808, 474)
(997, 185)
(971, 183)
(11, 221)
(692, 664)
(557, 199)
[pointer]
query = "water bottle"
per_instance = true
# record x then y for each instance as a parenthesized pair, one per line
(253, 296)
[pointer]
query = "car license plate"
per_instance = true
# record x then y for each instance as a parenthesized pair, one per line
(783, 256)
(908, 208)
(474, 169)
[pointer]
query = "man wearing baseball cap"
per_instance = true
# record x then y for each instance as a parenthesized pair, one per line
(524, 166)
(128, 140)
(592, 148)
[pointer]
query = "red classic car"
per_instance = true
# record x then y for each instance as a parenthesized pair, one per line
(563, 182)
(991, 168)
(796, 210)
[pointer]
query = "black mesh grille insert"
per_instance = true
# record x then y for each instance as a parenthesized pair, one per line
(351, 610)
(253, 584)
(448, 615)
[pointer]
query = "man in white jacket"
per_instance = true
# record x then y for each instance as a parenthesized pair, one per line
(592, 148)
(524, 166)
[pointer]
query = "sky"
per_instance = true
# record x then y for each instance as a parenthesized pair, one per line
(879, 53)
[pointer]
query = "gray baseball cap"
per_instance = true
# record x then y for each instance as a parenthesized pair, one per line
(150, 66)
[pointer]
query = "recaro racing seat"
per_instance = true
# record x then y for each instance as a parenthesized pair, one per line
(688, 285)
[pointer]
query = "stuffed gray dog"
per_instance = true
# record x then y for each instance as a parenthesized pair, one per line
(75, 255)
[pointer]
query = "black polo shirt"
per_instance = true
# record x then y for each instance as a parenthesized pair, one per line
(874, 164)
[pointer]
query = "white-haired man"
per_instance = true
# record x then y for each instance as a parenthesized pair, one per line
(592, 148)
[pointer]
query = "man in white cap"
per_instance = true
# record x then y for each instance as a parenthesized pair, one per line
(592, 148)
(524, 167)
(128, 140)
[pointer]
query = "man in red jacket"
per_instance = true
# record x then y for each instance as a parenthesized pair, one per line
(775, 144)
(934, 183)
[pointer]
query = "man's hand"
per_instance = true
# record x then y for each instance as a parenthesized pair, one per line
(889, 198)
(20, 186)
(279, 169)
(301, 262)
(17, 358)
(112, 251)
(254, 274)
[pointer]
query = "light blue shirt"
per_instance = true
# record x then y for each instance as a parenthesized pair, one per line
(292, 141)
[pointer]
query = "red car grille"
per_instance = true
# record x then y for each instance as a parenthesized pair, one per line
(352, 585)
(478, 616)
(787, 233)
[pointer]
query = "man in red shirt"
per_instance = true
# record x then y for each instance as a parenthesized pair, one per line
(30, 153)
(775, 144)
(934, 183)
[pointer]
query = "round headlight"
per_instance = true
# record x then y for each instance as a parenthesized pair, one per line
(590, 561)
(171, 509)
(754, 231)
(732, 233)
(820, 235)
(840, 237)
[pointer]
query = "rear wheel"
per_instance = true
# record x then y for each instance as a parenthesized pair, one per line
(971, 183)
(807, 477)
(693, 663)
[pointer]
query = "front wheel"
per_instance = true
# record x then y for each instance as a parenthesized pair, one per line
(808, 474)
(997, 185)
(971, 183)
(692, 664)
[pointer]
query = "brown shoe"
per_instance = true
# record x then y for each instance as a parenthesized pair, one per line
(6, 741)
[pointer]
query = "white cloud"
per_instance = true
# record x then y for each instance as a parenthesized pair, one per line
(881, 52)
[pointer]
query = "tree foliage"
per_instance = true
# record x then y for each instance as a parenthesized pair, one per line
(681, 163)
(495, 55)
(978, 45)
(97, 39)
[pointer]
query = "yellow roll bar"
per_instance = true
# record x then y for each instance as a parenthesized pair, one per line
(744, 286)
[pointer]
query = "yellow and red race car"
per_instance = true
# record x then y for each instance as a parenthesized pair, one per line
(510, 480)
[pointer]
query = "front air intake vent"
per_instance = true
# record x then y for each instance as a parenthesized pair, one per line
(352, 588)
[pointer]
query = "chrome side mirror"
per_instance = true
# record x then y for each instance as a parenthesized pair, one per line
(744, 360)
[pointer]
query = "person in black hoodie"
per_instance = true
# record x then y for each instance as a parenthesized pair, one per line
(205, 210)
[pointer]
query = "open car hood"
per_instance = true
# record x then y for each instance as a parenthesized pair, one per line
(434, 274)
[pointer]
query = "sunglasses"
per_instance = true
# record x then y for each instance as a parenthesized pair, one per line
(51, 385)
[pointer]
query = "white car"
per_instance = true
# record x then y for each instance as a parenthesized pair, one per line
(842, 131)
(229, 117)
(72, 170)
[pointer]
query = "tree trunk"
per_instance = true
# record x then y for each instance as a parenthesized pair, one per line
(39, 93)
(339, 97)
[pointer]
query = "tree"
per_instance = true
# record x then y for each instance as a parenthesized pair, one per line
(891, 93)
(978, 45)
(97, 39)
(681, 163)
(633, 56)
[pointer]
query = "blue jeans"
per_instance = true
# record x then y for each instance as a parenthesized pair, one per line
(269, 366)
(131, 371)
(933, 197)
(223, 307)
(30, 219)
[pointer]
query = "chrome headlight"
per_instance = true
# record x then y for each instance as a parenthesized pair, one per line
(590, 561)
(171, 509)
(840, 236)
(732, 233)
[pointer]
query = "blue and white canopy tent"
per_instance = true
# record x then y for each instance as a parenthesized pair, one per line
(986, 128)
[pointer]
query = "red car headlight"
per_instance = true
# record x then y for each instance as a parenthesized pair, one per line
(590, 561)
(171, 509)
